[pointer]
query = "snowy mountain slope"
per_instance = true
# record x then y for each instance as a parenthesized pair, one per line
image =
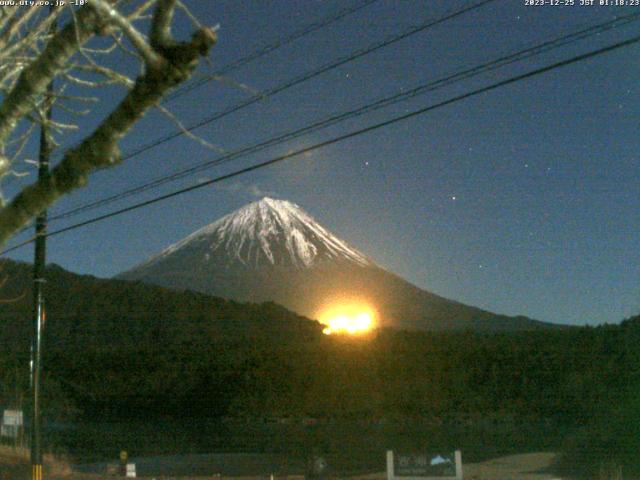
(266, 233)
(272, 250)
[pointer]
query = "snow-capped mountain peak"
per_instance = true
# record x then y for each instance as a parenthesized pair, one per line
(267, 232)
(272, 250)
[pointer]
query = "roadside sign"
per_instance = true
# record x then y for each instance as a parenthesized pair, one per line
(424, 466)
(12, 422)
(13, 417)
(131, 470)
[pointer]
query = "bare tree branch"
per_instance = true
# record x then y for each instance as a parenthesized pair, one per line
(139, 12)
(14, 25)
(161, 24)
(100, 149)
(34, 79)
(185, 131)
(150, 56)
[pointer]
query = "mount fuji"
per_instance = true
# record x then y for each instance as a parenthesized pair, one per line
(272, 250)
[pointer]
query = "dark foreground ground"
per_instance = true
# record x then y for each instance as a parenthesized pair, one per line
(14, 466)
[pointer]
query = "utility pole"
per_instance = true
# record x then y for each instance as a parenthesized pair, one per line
(39, 309)
(38, 287)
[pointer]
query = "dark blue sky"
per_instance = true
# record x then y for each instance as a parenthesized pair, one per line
(523, 200)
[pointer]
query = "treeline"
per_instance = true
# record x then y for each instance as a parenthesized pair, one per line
(117, 350)
(573, 390)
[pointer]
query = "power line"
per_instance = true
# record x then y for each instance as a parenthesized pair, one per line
(346, 136)
(264, 50)
(384, 102)
(307, 76)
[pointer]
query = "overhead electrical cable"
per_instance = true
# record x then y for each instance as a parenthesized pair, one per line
(264, 50)
(332, 141)
(378, 104)
(307, 76)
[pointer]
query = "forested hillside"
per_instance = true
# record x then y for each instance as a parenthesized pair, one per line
(117, 350)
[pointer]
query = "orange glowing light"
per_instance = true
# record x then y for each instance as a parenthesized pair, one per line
(353, 319)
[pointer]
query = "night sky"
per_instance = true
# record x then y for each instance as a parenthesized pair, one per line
(523, 200)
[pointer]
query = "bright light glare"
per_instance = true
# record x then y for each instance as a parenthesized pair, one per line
(351, 319)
